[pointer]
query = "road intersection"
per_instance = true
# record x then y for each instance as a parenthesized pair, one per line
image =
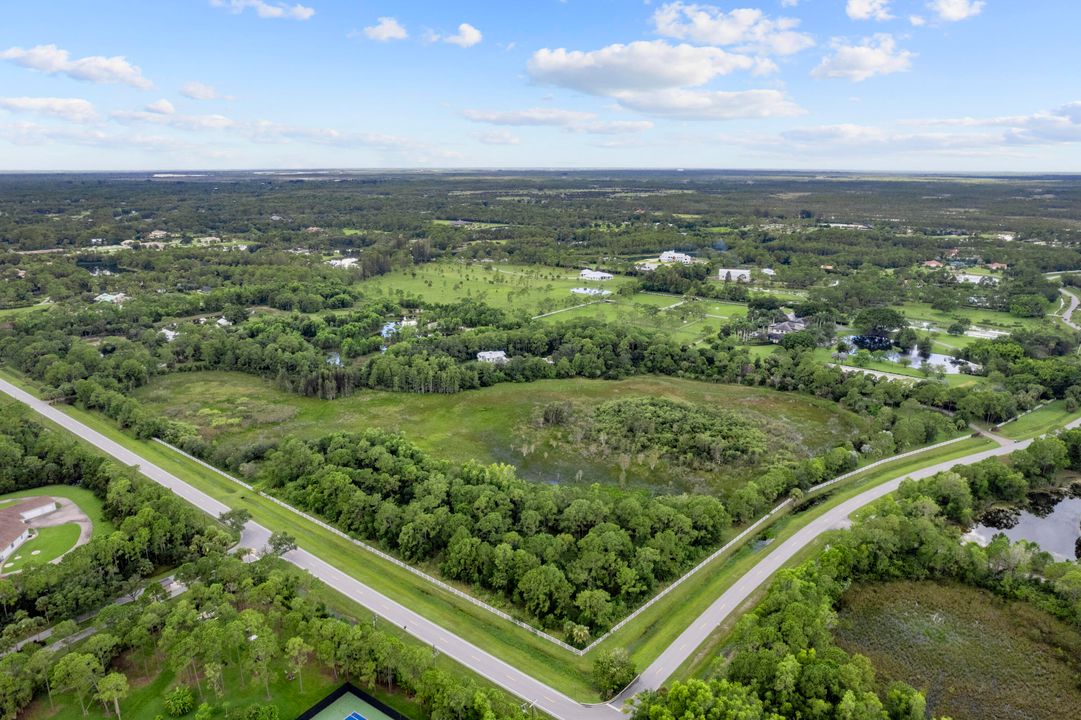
(497, 671)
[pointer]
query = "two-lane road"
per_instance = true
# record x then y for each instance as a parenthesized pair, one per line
(498, 672)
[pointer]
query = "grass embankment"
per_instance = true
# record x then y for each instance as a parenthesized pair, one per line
(645, 637)
(656, 628)
(974, 654)
(496, 424)
(1048, 418)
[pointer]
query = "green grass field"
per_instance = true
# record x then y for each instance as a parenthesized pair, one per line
(532, 289)
(975, 655)
(49, 543)
(12, 313)
(494, 424)
(646, 311)
(1051, 416)
(146, 699)
(981, 317)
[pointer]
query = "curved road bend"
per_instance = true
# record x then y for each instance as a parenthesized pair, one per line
(546, 699)
(1067, 317)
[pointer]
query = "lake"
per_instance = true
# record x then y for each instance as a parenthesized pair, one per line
(1057, 532)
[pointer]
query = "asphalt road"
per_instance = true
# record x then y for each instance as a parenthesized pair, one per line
(1067, 317)
(495, 670)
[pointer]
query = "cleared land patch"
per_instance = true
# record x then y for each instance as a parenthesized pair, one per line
(975, 655)
(532, 289)
(495, 424)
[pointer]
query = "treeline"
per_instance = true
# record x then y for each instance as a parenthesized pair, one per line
(154, 528)
(447, 364)
(238, 629)
(784, 663)
(573, 559)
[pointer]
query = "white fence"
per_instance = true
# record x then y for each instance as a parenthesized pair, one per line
(375, 551)
(525, 626)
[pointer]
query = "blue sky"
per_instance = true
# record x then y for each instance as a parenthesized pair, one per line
(917, 85)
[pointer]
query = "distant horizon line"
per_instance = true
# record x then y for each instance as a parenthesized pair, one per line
(166, 173)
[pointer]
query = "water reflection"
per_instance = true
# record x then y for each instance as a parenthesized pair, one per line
(1053, 523)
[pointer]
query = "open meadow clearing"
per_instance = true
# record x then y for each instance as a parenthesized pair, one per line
(532, 289)
(975, 655)
(497, 424)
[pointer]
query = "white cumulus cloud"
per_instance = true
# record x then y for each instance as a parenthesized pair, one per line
(746, 28)
(641, 65)
(467, 36)
(155, 115)
(386, 29)
(53, 60)
(202, 91)
(869, 9)
(161, 107)
(74, 110)
(956, 10)
(269, 10)
(878, 55)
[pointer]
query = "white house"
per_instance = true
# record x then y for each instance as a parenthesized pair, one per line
(590, 291)
(343, 262)
(646, 266)
(496, 357)
(734, 274)
(168, 334)
(588, 274)
(13, 528)
(676, 257)
(223, 322)
(36, 507)
(769, 272)
(114, 298)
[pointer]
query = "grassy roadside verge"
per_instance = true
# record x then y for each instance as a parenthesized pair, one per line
(698, 664)
(657, 627)
(1051, 416)
(645, 637)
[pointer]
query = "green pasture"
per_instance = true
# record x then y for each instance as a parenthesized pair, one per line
(531, 289)
(494, 424)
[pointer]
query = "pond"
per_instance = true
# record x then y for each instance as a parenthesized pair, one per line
(1055, 527)
(949, 365)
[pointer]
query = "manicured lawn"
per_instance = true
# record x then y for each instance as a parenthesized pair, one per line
(953, 380)
(638, 311)
(1051, 416)
(146, 700)
(49, 544)
(87, 501)
(973, 654)
(978, 316)
(532, 289)
(494, 424)
(12, 313)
